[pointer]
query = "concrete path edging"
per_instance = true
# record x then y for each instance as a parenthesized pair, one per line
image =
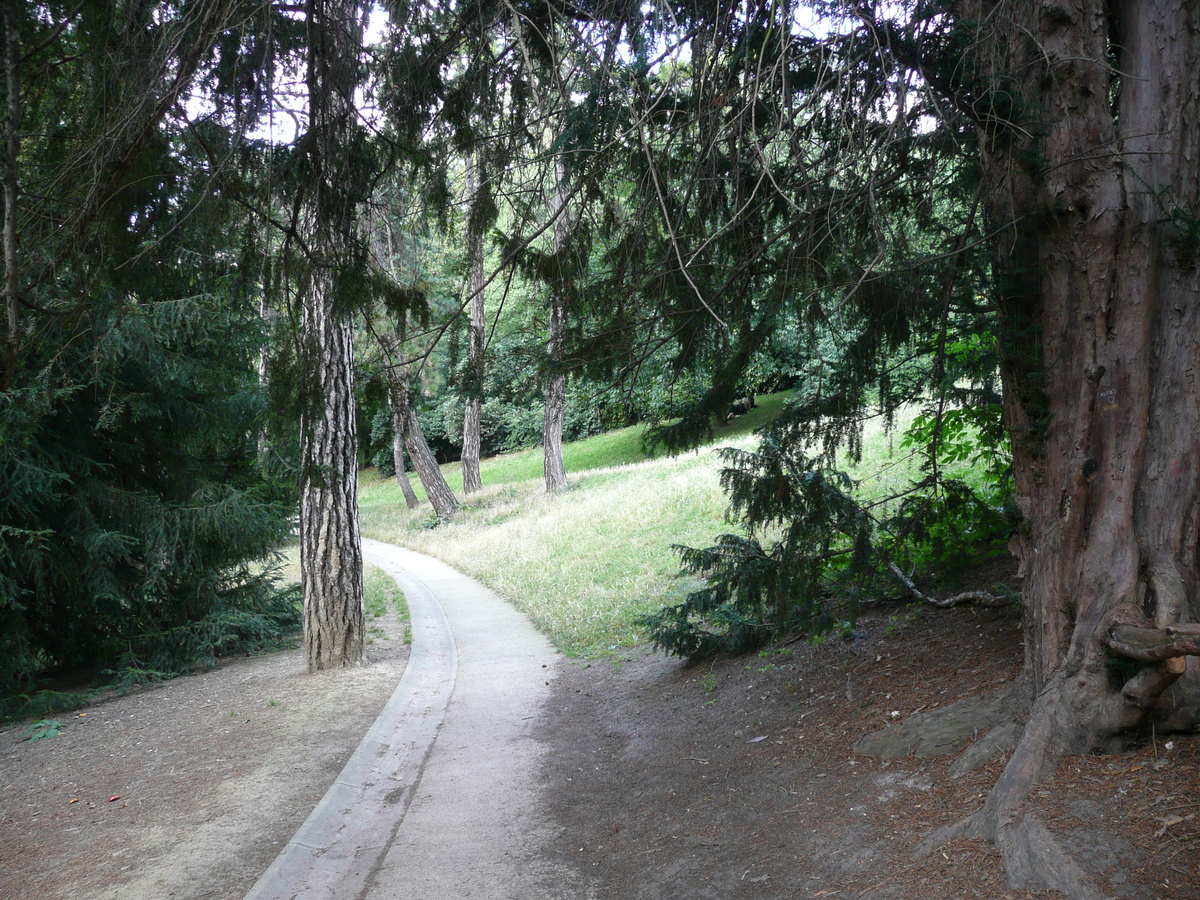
(439, 801)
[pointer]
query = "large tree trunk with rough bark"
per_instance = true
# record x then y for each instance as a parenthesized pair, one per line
(476, 185)
(330, 548)
(441, 498)
(1099, 303)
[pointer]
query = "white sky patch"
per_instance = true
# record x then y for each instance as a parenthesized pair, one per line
(288, 116)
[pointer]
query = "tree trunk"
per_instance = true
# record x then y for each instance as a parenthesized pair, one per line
(1100, 307)
(406, 488)
(400, 396)
(476, 184)
(264, 375)
(555, 388)
(556, 399)
(330, 548)
(12, 149)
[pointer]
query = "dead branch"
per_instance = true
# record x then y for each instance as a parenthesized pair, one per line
(982, 598)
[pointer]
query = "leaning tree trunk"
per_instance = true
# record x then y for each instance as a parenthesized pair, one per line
(330, 548)
(476, 178)
(406, 488)
(441, 498)
(1100, 309)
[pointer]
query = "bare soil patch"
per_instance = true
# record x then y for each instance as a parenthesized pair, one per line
(738, 778)
(186, 789)
(663, 780)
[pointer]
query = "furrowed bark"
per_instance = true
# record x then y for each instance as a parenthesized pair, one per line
(330, 545)
(1099, 307)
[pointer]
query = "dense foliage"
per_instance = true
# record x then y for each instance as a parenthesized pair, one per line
(667, 206)
(136, 516)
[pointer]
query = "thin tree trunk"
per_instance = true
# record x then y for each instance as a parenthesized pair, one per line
(555, 388)
(406, 488)
(556, 400)
(1100, 306)
(476, 177)
(439, 493)
(330, 546)
(12, 149)
(264, 374)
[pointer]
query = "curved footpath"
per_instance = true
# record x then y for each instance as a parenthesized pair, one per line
(440, 800)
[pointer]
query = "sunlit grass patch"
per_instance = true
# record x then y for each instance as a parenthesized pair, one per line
(625, 446)
(585, 564)
(289, 564)
(378, 588)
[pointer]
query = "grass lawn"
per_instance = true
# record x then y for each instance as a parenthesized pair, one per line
(586, 563)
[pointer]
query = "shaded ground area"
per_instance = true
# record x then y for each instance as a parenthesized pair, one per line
(738, 778)
(661, 780)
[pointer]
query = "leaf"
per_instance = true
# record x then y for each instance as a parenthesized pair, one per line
(42, 729)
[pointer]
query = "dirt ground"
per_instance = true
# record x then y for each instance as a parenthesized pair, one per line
(187, 789)
(739, 778)
(663, 780)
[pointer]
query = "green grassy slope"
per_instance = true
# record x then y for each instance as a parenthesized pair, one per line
(614, 448)
(585, 563)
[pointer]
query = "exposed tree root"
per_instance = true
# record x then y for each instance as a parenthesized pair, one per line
(1033, 856)
(1074, 713)
(1156, 644)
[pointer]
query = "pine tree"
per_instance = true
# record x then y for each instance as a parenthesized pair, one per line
(330, 544)
(133, 514)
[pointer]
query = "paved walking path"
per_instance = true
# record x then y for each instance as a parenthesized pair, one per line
(439, 802)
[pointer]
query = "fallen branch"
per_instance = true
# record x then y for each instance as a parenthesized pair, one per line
(983, 598)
